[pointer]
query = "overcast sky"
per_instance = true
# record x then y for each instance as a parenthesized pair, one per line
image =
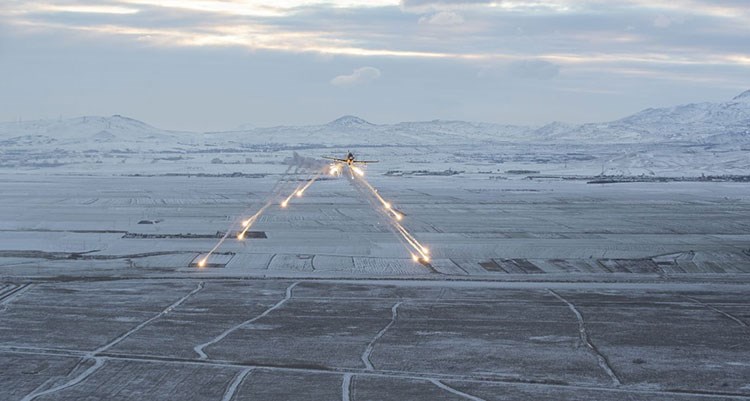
(216, 64)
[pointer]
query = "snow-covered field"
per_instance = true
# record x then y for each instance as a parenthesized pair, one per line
(124, 225)
(541, 285)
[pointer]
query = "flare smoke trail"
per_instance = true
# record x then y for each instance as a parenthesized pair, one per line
(373, 202)
(309, 183)
(249, 222)
(300, 190)
(387, 205)
(277, 188)
(422, 253)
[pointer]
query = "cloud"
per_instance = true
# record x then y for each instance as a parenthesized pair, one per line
(83, 9)
(359, 76)
(483, 32)
(409, 3)
(442, 18)
(442, 3)
(529, 47)
(533, 69)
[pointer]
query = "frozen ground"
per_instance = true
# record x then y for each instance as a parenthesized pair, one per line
(540, 286)
(199, 339)
(538, 290)
(120, 226)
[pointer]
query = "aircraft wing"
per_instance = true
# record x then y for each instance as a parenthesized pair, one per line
(365, 161)
(334, 158)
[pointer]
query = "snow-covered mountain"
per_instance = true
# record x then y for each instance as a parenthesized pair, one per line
(708, 123)
(88, 131)
(699, 123)
(349, 122)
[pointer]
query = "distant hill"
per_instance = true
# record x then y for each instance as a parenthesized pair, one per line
(725, 122)
(87, 131)
(722, 123)
(349, 122)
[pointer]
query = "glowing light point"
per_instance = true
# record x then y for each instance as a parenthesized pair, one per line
(241, 236)
(202, 263)
(245, 223)
(415, 258)
(284, 203)
(387, 205)
(425, 251)
(399, 217)
(299, 193)
(334, 170)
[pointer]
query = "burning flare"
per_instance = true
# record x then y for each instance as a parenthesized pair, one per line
(419, 252)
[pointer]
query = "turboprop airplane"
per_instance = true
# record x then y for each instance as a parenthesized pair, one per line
(350, 160)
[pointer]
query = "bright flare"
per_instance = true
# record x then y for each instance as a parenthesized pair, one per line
(334, 170)
(253, 219)
(422, 253)
(202, 263)
(359, 171)
(285, 202)
(300, 190)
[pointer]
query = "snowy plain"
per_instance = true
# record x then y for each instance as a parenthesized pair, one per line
(542, 283)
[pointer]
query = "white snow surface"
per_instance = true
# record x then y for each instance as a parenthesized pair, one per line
(692, 139)
(715, 123)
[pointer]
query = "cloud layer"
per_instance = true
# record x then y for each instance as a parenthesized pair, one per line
(442, 18)
(638, 33)
(359, 76)
(644, 51)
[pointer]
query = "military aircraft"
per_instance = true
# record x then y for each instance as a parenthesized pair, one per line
(350, 160)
